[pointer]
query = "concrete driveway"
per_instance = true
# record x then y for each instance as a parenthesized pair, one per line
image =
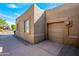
(12, 46)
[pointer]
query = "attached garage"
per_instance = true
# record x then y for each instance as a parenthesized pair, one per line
(63, 24)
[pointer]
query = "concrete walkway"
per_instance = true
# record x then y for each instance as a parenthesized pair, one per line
(12, 46)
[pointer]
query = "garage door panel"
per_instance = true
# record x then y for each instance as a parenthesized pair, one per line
(57, 32)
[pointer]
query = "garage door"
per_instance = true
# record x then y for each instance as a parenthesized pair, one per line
(57, 32)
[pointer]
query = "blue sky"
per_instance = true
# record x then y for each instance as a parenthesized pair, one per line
(10, 11)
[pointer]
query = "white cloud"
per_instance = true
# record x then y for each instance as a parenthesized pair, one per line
(6, 16)
(10, 20)
(12, 6)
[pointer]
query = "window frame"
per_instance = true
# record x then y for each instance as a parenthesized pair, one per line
(27, 26)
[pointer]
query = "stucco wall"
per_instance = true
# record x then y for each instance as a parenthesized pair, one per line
(39, 29)
(67, 12)
(20, 21)
(37, 24)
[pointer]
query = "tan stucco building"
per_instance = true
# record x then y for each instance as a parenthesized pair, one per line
(60, 24)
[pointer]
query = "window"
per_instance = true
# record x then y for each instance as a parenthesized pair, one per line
(26, 26)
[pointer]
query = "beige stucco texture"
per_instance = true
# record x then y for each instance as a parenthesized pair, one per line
(60, 24)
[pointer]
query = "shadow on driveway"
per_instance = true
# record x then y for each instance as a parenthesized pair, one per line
(13, 46)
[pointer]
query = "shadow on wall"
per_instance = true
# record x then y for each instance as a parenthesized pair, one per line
(40, 28)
